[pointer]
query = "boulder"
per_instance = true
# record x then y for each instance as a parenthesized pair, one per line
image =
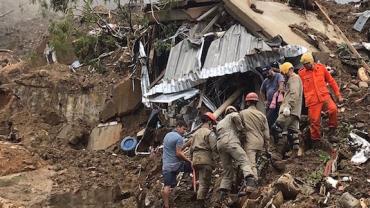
(72, 133)
(363, 84)
(126, 97)
(104, 136)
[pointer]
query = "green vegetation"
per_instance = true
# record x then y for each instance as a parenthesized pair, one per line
(166, 31)
(61, 35)
(315, 177)
(324, 157)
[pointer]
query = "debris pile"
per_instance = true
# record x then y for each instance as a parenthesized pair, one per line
(88, 115)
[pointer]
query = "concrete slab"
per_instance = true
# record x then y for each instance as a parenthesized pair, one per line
(126, 97)
(104, 136)
(276, 20)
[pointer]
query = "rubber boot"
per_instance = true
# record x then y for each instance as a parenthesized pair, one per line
(332, 135)
(223, 194)
(250, 184)
(201, 203)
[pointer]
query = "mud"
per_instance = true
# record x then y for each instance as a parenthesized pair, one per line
(53, 110)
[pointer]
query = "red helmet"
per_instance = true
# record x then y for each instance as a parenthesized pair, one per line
(251, 97)
(210, 116)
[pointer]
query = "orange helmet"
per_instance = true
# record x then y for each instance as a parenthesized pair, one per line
(210, 116)
(252, 96)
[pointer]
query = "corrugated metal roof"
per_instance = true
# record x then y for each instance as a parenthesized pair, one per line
(236, 51)
(182, 68)
(169, 98)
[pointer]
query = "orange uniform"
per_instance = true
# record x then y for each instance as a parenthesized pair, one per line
(317, 96)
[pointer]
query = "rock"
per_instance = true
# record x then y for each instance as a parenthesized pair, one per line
(52, 118)
(354, 87)
(360, 125)
(288, 186)
(362, 74)
(130, 202)
(43, 73)
(348, 201)
(104, 136)
(363, 84)
(278, 199)
(72, 133)
(149, 199)
(126, 98)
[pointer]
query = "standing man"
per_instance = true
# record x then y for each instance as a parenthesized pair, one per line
(174, 160)
(204, 153)
(290, 109)
(273, 83)
(257, 130)
(229, 147)
(315, 78)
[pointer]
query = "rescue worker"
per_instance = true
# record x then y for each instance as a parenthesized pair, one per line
(315, 78)
(290, 109)
(257, 130)
(230, 150)
(203, 151)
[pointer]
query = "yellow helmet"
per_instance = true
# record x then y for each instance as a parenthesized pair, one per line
(284, 68)
(307, 58)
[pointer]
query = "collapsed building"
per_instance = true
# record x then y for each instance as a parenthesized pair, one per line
(217, 54)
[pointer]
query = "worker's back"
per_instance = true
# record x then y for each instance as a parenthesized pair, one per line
(255, 123)
(227, 128)
(202, 145)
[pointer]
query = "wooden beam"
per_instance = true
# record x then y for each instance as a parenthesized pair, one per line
(228, 102)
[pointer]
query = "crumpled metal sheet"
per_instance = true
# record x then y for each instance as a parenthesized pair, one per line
(346, 1)
(169, 98)
(183, 67)
(184, 60)
(236, 51)
(361, 21)
(292, 50)
(145, 82)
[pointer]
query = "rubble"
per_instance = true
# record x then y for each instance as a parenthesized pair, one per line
(363, 146)
(179, 59)
(348, 201)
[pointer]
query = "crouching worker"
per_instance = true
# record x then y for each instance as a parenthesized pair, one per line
(174, 160)
(257, 130)
(231, 152)
(290, 109)
(204, 153)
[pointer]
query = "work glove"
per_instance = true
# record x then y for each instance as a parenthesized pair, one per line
(286, 111)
